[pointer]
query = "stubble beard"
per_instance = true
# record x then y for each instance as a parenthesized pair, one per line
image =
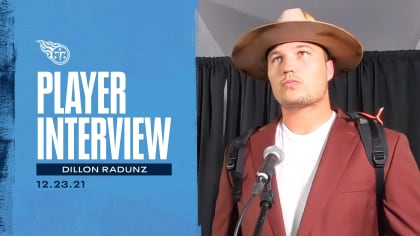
(305, 99)
(301, 101)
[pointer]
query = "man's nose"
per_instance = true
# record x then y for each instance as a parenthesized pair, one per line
(288, 65)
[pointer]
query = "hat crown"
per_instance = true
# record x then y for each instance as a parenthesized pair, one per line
(295, 25)
(295, 14)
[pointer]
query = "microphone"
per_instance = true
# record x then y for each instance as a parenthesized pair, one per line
(272, 157)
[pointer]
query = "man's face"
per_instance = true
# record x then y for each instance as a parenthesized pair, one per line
(299, 73)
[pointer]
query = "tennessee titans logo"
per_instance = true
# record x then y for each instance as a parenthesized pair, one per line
(58, 53)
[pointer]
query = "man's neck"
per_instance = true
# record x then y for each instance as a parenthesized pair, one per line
(307, 119)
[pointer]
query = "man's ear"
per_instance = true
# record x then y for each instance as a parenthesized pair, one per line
(330, 69)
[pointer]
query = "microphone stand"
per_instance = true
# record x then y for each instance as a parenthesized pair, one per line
(267, 199)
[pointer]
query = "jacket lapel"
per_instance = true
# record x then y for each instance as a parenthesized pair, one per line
(332, 165)
(261, 140)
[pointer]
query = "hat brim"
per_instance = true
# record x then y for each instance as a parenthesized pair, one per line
(249, 54)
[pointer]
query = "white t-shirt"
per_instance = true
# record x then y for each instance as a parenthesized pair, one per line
(295, 174)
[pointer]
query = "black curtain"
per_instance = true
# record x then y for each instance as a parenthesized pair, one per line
(211, 77)
(389, 79)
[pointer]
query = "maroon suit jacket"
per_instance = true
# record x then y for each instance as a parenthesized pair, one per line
(342, 199)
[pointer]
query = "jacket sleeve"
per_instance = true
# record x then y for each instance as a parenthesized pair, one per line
(402, 189)
(225, 210)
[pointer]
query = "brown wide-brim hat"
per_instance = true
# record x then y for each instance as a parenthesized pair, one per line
(295, 25)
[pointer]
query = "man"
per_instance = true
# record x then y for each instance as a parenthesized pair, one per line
(326, 185)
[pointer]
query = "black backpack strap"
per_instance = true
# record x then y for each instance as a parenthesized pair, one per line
(373, 137)
(235, 162)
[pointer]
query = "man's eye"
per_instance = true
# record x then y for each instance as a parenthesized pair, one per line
(277, 59)
(303, 53)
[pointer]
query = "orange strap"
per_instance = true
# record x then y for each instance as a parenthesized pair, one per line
(377, 117)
